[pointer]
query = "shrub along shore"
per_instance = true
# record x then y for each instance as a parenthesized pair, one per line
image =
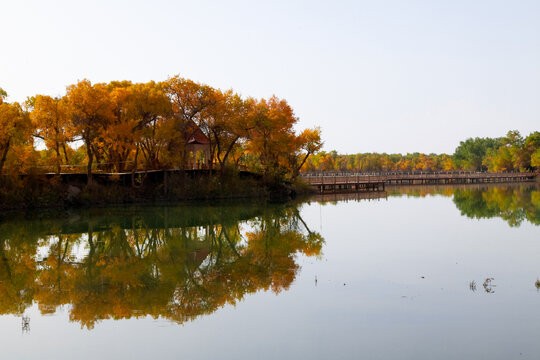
(54, 191)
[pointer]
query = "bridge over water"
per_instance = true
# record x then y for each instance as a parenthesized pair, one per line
(367, 182)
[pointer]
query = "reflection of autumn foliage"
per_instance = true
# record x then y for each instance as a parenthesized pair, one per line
(514, 204)
(131, 268)
(422, 191)
(511, 202)
(16, 275)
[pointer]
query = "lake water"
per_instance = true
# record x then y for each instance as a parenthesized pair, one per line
(420, 273)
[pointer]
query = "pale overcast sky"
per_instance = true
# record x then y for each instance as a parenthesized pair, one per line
(377, 76)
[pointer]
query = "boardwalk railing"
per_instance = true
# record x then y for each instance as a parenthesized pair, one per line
(355, 181)
(403, 173)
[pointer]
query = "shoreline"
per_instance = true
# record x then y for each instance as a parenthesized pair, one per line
(39, 192)
(46, 192)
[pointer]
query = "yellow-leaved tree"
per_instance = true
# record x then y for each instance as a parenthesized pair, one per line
(51, 123)
(90, 109)
(15, 128)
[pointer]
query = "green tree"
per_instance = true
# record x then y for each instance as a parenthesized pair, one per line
(470, 153)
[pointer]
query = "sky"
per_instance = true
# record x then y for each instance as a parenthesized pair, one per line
(391, 76)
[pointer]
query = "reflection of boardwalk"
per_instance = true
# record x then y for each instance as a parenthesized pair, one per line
(421, 191)
(458, 178)
(335, 197)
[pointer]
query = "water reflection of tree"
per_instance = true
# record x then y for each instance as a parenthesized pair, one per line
(133, 266)
(514, 204)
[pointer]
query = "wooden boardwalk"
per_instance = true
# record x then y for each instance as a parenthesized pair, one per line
(358, 182)
(345, 183)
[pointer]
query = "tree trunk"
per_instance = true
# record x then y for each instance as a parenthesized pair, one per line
(90, 161)
(211, 153)
(4, 156)
(65, 153)
(134, 168)
(58, 158)
(229, 149)
(297, 170)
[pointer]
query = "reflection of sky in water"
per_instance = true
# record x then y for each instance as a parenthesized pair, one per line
(77, 252)
(393, 282)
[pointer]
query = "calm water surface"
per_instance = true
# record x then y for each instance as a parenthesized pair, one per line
(422, 273)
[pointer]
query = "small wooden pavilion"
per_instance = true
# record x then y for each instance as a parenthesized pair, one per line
(196, 148)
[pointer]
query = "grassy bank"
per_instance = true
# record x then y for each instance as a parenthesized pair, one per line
(39, 191)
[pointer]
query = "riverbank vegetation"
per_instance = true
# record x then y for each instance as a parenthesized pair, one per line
(512, 152)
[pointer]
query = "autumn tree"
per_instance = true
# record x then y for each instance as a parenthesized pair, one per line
(149, 106)
(90, 109)
(228, 124)
(190, 102)
(3, 95)
(135, 107)
(309, 141)
(272, 136)
(51, 123)
(15, 129)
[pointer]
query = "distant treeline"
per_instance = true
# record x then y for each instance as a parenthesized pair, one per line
(512, 152)
(125, 126)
